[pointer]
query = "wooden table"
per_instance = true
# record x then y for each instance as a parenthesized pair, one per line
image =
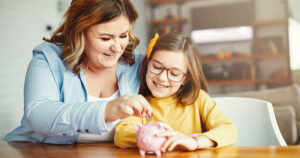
(99, 150)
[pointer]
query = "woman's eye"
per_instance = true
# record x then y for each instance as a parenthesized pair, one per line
(105, 39)
(124, 36)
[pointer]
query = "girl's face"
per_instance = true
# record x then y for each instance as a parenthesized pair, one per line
(166, 73)
(106, 42)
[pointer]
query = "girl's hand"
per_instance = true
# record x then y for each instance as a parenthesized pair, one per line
(188, 142)
(127, 105)
(177, 139)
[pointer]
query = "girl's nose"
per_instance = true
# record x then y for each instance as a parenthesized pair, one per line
(163, 76)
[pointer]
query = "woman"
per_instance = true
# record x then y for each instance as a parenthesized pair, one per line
(81, 81)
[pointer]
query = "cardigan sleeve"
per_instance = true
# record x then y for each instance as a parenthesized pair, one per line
(217, 126)
(125, 133)
(45, 108)
(55, 98)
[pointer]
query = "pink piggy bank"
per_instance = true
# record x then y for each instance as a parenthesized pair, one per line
(146, 139)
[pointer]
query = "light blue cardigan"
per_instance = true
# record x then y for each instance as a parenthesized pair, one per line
(56, 110)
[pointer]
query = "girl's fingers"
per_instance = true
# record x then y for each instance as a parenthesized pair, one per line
(166, 126)
(175, 139)
(168, 142)
(173, 144)
(184, 141)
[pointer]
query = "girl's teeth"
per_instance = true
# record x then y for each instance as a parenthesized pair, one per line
(160, 86)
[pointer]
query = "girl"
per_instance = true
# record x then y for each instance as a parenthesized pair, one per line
(173, 82)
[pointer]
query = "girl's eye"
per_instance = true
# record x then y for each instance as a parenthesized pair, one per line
(175, 73)
(157, 67)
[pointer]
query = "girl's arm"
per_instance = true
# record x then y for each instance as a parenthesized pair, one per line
(217, 126)
(125, 134)
(218, 130)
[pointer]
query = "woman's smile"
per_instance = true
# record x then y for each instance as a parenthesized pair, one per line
(109, 55)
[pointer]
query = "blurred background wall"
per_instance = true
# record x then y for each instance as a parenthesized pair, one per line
(24, 23)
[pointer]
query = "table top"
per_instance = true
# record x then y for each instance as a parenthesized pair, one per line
(90, 150)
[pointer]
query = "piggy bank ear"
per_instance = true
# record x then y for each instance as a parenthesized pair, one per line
(165, 127)
(137, 126)
(160, 126)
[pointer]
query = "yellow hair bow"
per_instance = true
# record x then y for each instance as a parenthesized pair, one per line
(151, 45)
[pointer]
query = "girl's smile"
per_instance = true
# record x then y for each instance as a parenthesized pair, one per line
(159, 86)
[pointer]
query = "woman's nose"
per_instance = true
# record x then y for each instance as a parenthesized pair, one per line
(116, 46)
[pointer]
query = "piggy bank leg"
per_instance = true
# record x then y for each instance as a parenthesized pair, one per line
(157, 152)
(142, 152)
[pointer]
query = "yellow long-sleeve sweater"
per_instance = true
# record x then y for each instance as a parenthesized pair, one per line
(203, 118)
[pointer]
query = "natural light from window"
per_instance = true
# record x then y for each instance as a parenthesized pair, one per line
(294, 38)
(222, 34)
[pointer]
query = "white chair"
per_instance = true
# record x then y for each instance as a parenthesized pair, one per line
(254, 119)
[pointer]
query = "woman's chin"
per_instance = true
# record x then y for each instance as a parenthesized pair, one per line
(109, 64)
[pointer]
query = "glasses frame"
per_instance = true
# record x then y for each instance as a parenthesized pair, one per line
(167, 69)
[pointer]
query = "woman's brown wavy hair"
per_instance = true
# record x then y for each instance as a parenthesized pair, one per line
(189, 92)
(84, 13)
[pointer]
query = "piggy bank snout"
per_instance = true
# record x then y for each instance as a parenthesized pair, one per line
(147, 140)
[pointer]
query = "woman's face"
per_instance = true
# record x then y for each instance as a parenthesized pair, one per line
(106, 42)
(171, 65)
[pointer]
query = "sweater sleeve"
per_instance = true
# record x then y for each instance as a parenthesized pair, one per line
(125, 134)
(217, 126)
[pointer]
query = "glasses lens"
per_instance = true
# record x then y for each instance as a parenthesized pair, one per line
(155, 67)
(175, 75)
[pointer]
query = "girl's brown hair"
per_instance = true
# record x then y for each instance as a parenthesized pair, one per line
(189, 92)
(84, 13)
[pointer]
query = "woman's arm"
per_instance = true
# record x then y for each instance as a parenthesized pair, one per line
(46, 111)
(44, 108)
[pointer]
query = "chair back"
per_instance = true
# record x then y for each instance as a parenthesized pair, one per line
(254, 119)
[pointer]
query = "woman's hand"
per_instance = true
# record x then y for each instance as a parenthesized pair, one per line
(127, 105)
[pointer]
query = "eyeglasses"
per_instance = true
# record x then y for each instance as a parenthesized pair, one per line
(173, 74)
